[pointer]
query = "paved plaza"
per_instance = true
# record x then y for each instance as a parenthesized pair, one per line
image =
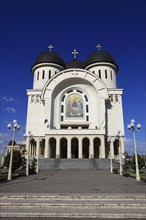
(73, 194)
(74, 181)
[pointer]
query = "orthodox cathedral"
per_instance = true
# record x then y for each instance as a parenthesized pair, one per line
(75, 108)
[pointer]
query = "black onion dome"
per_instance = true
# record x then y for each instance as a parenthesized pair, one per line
(75, 64)
(100, 56)
(49, 57)
(10, 142)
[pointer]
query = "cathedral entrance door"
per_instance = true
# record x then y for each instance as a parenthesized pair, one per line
(85, 144)
(74, 148)
(63, 148)
(52, 148)
(97, 143)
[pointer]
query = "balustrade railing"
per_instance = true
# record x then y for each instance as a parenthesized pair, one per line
(93, 161)
(56, 162)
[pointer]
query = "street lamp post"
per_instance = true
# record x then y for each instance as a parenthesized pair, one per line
(111, 162)
(27, 155)
(37, 156)
(131, 127)
(14, 126)
(120, 152)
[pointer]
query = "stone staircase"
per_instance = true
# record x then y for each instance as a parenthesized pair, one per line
(46, 164)
(81, 164)
(73, 206)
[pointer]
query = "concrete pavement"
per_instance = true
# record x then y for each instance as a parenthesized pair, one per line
(73, 194)
(74, 181)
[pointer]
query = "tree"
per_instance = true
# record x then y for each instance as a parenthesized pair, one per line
(140, 162)
(126, 164)
(23, 164)
(16, 162)
(33, 166)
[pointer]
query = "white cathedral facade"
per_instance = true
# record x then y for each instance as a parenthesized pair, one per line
(75, 108)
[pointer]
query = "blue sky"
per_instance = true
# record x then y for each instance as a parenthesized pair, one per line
(29, 26)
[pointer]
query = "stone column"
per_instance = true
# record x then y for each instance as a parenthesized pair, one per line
(33, 149)
(80, 148)
(122, 146)
(68, 148)
(27, 144)
(102, 147)
(91, 147)
(37, 154)
(112, 149)
(27, 155)
(47, 148)
(57, 147)
(29, 149)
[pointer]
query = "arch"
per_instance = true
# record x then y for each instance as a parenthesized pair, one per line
(42, 147)
(77, 74)
(85, 147)
(32, 148)
(74, 148)
(116, 147)
(71, 79)
(52, 143)
(97, 143)
(107, 149)
(63, 148)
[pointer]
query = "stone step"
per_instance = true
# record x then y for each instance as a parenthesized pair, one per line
(71, 196)
(80, 164)
(74, 212)
(73, 205)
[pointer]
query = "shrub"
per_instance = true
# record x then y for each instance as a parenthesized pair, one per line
(16, 162)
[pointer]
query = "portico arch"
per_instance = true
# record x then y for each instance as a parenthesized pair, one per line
(42, 147)
(116, 148)
(74, 148)
(52, 143)
(85, 147)
(32, 148)
(63, 148)
(97, 143)
(107, 149)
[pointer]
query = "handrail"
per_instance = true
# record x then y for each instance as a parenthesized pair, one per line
(56, 162)
(94, 164)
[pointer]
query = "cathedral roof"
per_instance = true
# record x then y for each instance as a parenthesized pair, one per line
(75, 64)
(100, 56)
(49, 57)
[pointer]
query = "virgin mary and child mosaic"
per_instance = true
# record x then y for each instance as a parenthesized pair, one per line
(74, 106)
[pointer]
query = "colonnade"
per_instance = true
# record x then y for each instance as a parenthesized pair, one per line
(74, 147)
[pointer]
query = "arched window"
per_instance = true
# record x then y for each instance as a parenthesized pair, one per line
(37, 99)
(43, 74)
(100, 74)
(111, 98)
(38, 75)
(49, 74)
(111, 75)
(106, 74)
(32, 99)
(116, 98)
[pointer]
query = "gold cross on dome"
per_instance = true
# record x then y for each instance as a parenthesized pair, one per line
(98, 46)
(74, 53)
(50, 47)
